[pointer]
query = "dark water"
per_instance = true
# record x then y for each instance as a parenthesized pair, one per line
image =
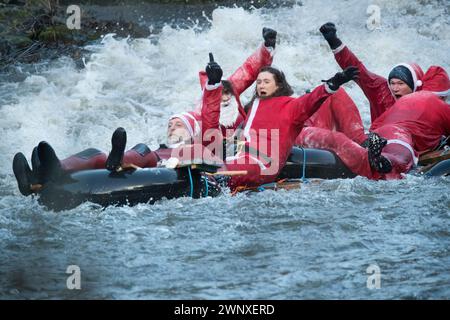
(312, 243)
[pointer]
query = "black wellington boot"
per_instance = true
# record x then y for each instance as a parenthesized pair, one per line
(23, 174)
(118, 141)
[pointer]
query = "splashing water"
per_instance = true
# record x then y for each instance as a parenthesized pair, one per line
(316, 242)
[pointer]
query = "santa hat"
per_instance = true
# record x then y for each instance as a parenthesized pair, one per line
(437, 81)
(410, 73)
(191, 121)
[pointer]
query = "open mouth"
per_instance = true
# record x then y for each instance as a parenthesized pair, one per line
(398, 96)
(263, 93)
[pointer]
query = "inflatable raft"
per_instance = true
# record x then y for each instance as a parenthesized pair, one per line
(152, 184)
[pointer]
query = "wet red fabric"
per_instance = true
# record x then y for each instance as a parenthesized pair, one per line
(337, 113)
(243, 78)
(271, 127)
(418, 120)
(76, 163)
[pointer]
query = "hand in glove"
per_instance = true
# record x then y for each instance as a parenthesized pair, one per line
(328, 31)
(351, 73)
(214, 71)
(270, 37)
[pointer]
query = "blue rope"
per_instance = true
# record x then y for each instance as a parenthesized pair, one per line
(304, 167)
(206, 186)
(192, 183)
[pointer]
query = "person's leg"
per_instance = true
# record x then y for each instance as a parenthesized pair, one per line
(141, 156)
(87, 159)
(401, 159)
(339, 114)
(351, 153)
(346, 116)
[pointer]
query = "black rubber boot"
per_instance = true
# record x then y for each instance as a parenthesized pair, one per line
(381, 164)
(23, 174)
(35, 162)
(35, 165)
(50, 166)
(118, 141)
(375, 145)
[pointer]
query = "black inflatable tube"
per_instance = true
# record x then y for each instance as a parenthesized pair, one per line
(153, 184)
(440, 169)
(320, 164)
(125, 188)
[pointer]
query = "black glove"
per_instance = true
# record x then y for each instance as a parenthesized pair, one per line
(328, 31)
(214, 71)
(270, 37)
(351, 73)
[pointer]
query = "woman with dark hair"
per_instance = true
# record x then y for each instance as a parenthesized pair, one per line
(284, 88)
(272, 123)
(232, 112)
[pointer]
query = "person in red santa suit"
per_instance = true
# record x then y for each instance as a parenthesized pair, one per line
(338, 113)
(382, 93)
(182, 128)
(272, 124)
(232, 112)
(341, 115)
(412, 126)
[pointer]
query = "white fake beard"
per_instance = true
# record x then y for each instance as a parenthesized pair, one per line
(176, 140)
(228, 113)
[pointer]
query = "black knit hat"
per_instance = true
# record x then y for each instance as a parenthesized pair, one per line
(404, 74)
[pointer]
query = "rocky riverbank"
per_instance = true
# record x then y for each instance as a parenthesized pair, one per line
(32, 30)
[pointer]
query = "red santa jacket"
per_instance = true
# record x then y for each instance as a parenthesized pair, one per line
(375, 87)
(241, 80)
(272, 125)
(419, 119)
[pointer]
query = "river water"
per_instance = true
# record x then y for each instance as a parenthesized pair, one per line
(317, 242)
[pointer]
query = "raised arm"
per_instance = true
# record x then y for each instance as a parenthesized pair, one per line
(246, 74)
(370, 83)
(306, 105)
(212, 96)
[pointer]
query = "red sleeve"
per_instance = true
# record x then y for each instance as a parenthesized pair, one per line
(246, 74)
(203, 78)
(306, 105)
(210, 115)
(373, 85)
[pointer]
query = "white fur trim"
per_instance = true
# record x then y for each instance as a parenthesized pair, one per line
(327, 88)
(442, 93)
(192, 131)
(417, 83)
(196, 124)
(211, 87)
(338, 49)
(407, 146)
(270, 49)
(248, 125)
(185, 121)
